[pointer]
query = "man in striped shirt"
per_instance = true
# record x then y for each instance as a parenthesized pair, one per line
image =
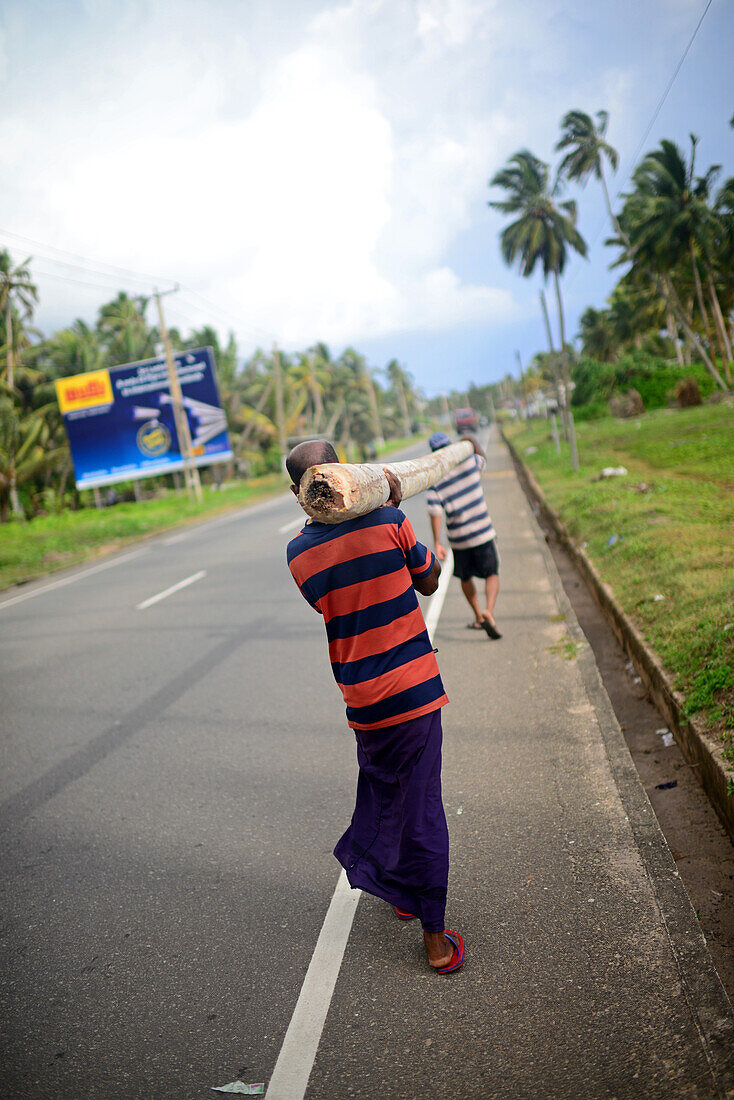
(362, 575)
(469, 530)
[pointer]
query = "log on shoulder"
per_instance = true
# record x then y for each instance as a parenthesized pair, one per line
(336, 491)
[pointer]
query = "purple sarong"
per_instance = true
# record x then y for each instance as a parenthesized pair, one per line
(397, 846)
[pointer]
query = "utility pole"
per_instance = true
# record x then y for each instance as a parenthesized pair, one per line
(522, 383)
(446, 412)
(554, 370)
(279, 417)
(191, 472)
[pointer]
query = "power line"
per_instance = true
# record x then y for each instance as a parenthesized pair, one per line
(225, 313)
(99, 264)
(116, 274)
(664, 96)
(70, 279)
(661, 102)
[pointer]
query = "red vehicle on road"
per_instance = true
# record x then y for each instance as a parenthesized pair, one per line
(466, 420)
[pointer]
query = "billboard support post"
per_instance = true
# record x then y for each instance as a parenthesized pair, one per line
(191, 473)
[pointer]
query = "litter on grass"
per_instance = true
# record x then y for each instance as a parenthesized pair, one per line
(531, 450)
(241, 1088)
(613, 471)
(659, 596)
(614, 539)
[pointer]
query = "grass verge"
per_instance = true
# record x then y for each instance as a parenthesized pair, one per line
(661, 536)
(52, 542)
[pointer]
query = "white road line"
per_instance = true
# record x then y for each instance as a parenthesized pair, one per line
(70, 580)
(298, 1053)
(436, 604)
(289, 526)
(169, 591)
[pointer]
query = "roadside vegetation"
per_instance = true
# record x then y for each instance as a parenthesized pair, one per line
(59, 540)
(644, 384)
(660, 535)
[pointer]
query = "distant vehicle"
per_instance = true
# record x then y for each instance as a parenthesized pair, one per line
(466, 420)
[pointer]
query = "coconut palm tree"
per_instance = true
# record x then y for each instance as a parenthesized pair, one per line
(543, 233)
(18, 297)
(401, 383)
(124, 330)
(597, 336)
(668, 225)
(24, 452)
(588, 149)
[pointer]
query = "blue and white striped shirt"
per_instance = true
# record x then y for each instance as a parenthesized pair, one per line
(461, 497)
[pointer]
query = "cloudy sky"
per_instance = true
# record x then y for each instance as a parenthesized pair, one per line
(317, 169)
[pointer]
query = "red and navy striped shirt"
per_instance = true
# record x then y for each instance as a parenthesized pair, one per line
(359, 576)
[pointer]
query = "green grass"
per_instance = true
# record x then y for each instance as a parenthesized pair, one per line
(566, 648)
(673, 518)
(53, 542)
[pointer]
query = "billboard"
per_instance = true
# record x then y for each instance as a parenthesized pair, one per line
(120, 420)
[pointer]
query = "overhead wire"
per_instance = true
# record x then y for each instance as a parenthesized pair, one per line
(87, 261)
(632, 161)
(116, 274)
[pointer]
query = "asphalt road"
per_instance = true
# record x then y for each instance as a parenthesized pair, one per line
(175, 776)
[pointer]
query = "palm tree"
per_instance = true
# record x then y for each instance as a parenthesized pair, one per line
(24, 452)
(724, 258)
(666, 223)
(311, 379)
(369, 427)
(401, 383)
(124, 330)
(18, 297)
(597, 335)
(588, 151)
(542, 233)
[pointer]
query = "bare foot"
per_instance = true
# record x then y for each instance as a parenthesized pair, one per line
(440, 950)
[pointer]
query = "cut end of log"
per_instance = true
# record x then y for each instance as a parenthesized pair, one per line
(321, 499)
(336, 491)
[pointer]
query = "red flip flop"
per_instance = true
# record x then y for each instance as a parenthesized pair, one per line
(457, 959)
(402, 914)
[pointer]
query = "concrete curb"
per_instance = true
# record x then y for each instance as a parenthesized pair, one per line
(698, 748)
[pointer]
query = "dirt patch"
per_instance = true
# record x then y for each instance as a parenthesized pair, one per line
(699, 843)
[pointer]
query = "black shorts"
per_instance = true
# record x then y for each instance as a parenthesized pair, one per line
(478, 561)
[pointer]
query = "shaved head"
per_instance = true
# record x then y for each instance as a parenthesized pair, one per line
(311, 453)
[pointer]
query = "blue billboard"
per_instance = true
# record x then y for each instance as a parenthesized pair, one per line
(120, 420)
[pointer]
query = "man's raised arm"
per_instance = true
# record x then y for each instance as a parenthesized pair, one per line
(427, 585)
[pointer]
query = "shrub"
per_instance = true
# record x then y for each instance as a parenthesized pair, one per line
(653, 378)
(626, 404)
(595, 410)
(687, 393)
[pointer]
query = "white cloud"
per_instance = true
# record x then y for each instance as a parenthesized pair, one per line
(310, 167)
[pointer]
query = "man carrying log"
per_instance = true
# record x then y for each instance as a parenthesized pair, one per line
(362, 575)
(469, 529)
